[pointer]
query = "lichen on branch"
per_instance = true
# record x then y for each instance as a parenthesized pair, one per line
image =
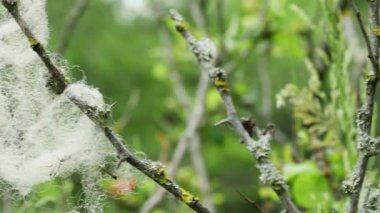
(205, 52)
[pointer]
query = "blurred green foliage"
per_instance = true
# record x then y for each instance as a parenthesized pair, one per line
(121, 57)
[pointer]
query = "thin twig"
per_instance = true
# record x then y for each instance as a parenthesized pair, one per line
(108, 173)
(71, 22)
(367, 145)
(371, 55)
(204, 50)
(251, 202)
(130, 106)
(59, 82)
(201, 171)
(191, 127)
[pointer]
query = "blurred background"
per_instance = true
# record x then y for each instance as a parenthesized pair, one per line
(290, 63)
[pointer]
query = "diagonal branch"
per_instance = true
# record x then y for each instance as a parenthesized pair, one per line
(367, 145)
(205, 52)
(58, 82)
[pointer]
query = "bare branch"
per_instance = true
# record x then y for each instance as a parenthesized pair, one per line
(130, 106)
(59, 82)
(205, 52)
(71, 22)
(251, 202)
(179, 152)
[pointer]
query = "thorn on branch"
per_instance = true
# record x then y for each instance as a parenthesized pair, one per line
(222, 122)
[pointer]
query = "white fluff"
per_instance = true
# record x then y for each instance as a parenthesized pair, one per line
(42, 135)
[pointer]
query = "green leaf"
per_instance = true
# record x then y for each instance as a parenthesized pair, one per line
(293, 170)
(310, 190)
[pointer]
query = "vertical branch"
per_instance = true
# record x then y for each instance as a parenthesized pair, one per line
(367, 145)
(201, 171)
(58, 82)
(71, 22)
(192, 125)
(205, 52)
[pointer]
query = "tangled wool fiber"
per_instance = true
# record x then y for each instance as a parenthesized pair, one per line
(42, 135)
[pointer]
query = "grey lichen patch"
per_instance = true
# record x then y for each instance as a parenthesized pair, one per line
(363, 119)
(205, 50)
(270, 175)
(373, 202)
(368, 145)
(351, 186)
(261, 149)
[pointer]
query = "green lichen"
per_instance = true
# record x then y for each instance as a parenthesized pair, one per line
(160, 174)
(187, 197)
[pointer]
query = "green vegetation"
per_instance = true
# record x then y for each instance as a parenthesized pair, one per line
(298, 64)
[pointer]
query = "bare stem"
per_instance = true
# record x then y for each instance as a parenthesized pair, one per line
(367, 145)
(71, 22)
(205, 52)
(59, 82)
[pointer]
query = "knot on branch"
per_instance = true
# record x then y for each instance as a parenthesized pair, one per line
(249, 125)
(219, 79)
(363, 118)
(90, 101)
(371, 77)
(351, 186)
(368, 146)
(157, 169)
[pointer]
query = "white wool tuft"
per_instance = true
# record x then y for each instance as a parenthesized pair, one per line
(42, 135)
(84, 93)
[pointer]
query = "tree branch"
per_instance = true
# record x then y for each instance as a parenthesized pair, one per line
(252, 202)
(58, 82)
(205, 52)
(367, 145)
(190, 138)
(71, 22)
(192, 125)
